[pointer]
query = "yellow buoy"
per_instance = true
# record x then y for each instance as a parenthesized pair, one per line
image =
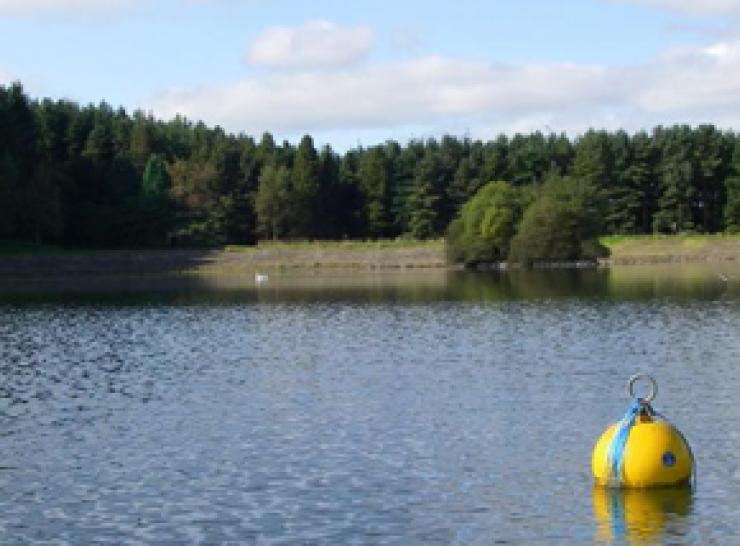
(641, 450)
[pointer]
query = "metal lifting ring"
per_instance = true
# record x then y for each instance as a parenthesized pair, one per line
(637, 377)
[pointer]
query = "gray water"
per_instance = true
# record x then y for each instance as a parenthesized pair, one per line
(396, 408)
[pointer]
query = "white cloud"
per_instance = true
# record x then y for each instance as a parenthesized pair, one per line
(420, 91)
(34, 6)
(437, 94)
(314, 44)
(697, 7)
(690, 83)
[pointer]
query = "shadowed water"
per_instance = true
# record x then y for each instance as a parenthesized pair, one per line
(388, 408)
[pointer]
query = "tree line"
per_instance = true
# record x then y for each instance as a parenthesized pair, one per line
(102, 177)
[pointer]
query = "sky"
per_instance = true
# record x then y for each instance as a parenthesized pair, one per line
(358, 72)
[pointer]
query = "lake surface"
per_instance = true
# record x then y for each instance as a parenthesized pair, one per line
(400, 408)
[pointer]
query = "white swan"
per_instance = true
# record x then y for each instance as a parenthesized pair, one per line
(260, 278)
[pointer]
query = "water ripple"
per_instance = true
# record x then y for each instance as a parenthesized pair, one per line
(447, 422)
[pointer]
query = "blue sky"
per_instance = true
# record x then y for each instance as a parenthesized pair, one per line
(360, 71)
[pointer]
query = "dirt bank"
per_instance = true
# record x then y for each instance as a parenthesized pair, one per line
(230, 260)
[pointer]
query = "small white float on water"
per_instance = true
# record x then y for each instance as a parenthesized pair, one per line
(260, 278)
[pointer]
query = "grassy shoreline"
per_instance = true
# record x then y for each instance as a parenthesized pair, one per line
(651, 249)
(20, 260)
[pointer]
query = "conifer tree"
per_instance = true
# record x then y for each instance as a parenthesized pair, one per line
(373, 180)
(677, 172)
(427, 214)
(732, 192)
(155, 180)
(273, 201)
(306, 188)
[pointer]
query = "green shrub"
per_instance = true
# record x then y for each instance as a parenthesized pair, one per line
(562, 224)
(482, 231)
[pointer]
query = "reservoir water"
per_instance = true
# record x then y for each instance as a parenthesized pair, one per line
(426, 407)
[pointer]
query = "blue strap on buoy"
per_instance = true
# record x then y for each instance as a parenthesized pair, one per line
(615, 453)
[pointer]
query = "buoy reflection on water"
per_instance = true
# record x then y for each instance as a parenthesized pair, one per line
(640, 517)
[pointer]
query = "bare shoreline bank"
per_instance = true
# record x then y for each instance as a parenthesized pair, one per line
(226, 261)
(333, 256)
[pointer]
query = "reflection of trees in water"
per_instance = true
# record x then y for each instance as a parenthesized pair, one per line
(531, 284)
(617, 283)
(401, 285)
(689, 281)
